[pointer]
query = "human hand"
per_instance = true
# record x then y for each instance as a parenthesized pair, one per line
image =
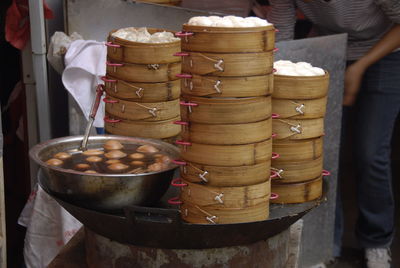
(352, 82)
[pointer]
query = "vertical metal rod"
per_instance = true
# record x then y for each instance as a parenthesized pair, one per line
(38, 40)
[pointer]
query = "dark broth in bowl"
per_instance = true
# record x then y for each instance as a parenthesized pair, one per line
(130, 159)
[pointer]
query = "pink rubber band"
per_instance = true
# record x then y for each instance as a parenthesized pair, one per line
(114, 64)
(183, 34)
(274, 196)
(184, 75)
(105, 79)
(184, 103)
(275, 155)
(108, 120)
(174, 201)
(110, 44)
(183, 143)
(325, 173)
(179, 162)
(177, 182)
(274, 174)
(110, 101)
(183, 123)
(181, 54)
(274, 116)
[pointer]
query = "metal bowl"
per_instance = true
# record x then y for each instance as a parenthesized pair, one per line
(102, 192)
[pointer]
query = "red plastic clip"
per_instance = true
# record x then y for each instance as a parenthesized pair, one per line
(105, 79)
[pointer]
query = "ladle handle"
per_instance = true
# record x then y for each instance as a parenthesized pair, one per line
(96, 104)
(92, 115)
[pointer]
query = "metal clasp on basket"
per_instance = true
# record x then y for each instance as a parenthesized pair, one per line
(299, 109)
(296, 129)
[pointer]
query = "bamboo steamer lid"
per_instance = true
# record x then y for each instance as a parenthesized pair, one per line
(228, 40)
(123, 50)
(226, 175)
(142, 92)
(292, 193)
(297, 129)
(154, 130)
(299, 109)
(225, 110)
(225, 197)
(298, 150)
(152, 111)
(219, 86)
(227, 155)
(228, 64)
(300, 87)
(290, 172)
(202, 215)
(145, 73)
(225, 134)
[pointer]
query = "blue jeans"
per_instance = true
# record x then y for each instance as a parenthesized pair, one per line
(377, 108)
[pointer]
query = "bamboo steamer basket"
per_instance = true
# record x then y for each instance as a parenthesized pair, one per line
(225, 176)
(228, 40)
(146, 73)
(218, 86)
(193, 213)
(142, 92)
(162, 2)
(226, 134)
(290, 172)
(298, 150)
(300, 87)
(225, 110)
(152, 111)
(225, 197)
(292, 193)
(297, 129)
(155, 130)
(228, 64)
(299, 109)
(123, 50)
(227, 155)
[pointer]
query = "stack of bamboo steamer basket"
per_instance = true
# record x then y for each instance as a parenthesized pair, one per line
(299, 102)
(142, 88)
(226, 124)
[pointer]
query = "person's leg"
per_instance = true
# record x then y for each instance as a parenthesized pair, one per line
(377, 108)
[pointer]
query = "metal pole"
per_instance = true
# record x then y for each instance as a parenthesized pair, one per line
(38, 40)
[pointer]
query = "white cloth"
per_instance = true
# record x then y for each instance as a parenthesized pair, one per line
(49, 228)
(85, 64)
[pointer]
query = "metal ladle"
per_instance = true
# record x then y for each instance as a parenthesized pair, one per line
(92, 115)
